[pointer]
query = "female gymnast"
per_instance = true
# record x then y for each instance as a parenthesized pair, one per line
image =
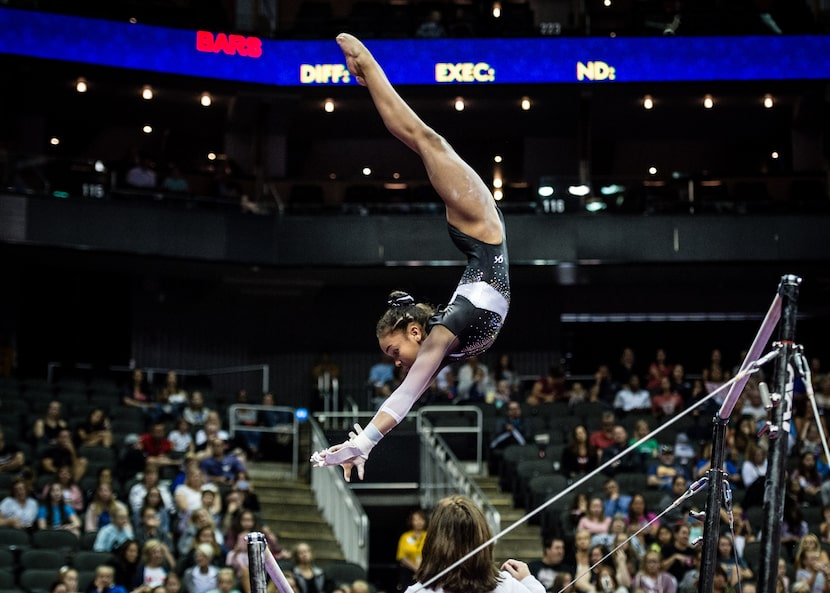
(420, 340)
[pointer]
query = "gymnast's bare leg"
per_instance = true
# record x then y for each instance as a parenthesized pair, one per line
(469, 203)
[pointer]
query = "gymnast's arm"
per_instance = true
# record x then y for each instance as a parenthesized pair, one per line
(431, 358)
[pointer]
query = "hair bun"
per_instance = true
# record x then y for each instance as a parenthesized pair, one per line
(400, 299)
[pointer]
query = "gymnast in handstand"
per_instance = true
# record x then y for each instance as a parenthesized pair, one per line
(419, 339)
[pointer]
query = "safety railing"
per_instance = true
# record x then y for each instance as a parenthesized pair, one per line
(291, 428)
(442, 474)
(339, 505)
(447, 416)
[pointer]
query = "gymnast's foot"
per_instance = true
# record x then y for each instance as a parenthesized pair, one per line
(354, 51)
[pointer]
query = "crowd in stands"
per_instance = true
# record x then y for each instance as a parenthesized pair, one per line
(146, 482)
(553, 431)
(154, 483)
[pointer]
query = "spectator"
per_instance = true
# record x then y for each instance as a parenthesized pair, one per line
(552, 564)
(142, 174)
(662, 472)
(649, 450)
(615, 502)
(579, 457)
(237, 558)
(126, 560)
(188, 496)
(72, 494)
(626, 366)
(95, 431)
(511, 428)
(63, 453)
(11, 457)
(632, 397)
(627, 463)
(220, 467)
(604, 437)
(69, 577)
(548, 388)
(137, 392)
(19, 509)
(199, 519)
(677, 557)
(666, 402)
(151, 527)
(196, 412)
(45, 430)
(310, 577)
(101, 509)
(201, 577)
(174, 181)
(156, 563)
(731, 561)
(504, 371)
(602, 389)
(657, 371)
(156, 446)
(205, 535)
(651, 578)
(225, 582)
(410, 547)
(246, 418)
(471, 376)
(181, 439)
(137, 495)
(211, 429)
(113, 534)
(54, 513)
(595, 521)
(381, 380)
(642, 520)
(678, 514)
(105, 581)
(680, 383)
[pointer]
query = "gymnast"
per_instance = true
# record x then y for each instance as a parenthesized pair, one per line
(419, 339)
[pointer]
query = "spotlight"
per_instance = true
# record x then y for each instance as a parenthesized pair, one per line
(648, 102)
(328, 105)
(525, 103)
(147, 93)
(459, 103)
(708, 101)
(579, 191)
(367, 171)
(81, 85)
(205, 99)
(496, 10)
(769, 102)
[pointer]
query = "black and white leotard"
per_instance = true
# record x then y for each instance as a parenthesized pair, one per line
(479, 305)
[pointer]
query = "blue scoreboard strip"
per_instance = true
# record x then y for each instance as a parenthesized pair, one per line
(249, 59)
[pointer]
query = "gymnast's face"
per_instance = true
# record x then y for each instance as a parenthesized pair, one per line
(403, 345)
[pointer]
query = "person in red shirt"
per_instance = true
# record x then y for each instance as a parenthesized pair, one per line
(156, 446)
(604, 437)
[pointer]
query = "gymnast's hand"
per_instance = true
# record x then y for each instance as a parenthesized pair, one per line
(347, 454)
(352, 49)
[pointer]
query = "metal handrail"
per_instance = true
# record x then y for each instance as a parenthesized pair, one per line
(477, 429)
(443, 475)
(339, 505)
(285, 428)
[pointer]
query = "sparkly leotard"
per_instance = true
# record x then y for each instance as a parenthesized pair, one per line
(479, 305)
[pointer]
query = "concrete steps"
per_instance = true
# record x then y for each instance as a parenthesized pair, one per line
(289, 509)
(522, 543)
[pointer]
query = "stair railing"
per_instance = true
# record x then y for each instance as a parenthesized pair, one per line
(339, 505)
(283, 421)
(442, 474)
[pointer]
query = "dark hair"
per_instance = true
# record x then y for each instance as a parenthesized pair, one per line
(402, 310)
(457, 526)
(52, 509)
